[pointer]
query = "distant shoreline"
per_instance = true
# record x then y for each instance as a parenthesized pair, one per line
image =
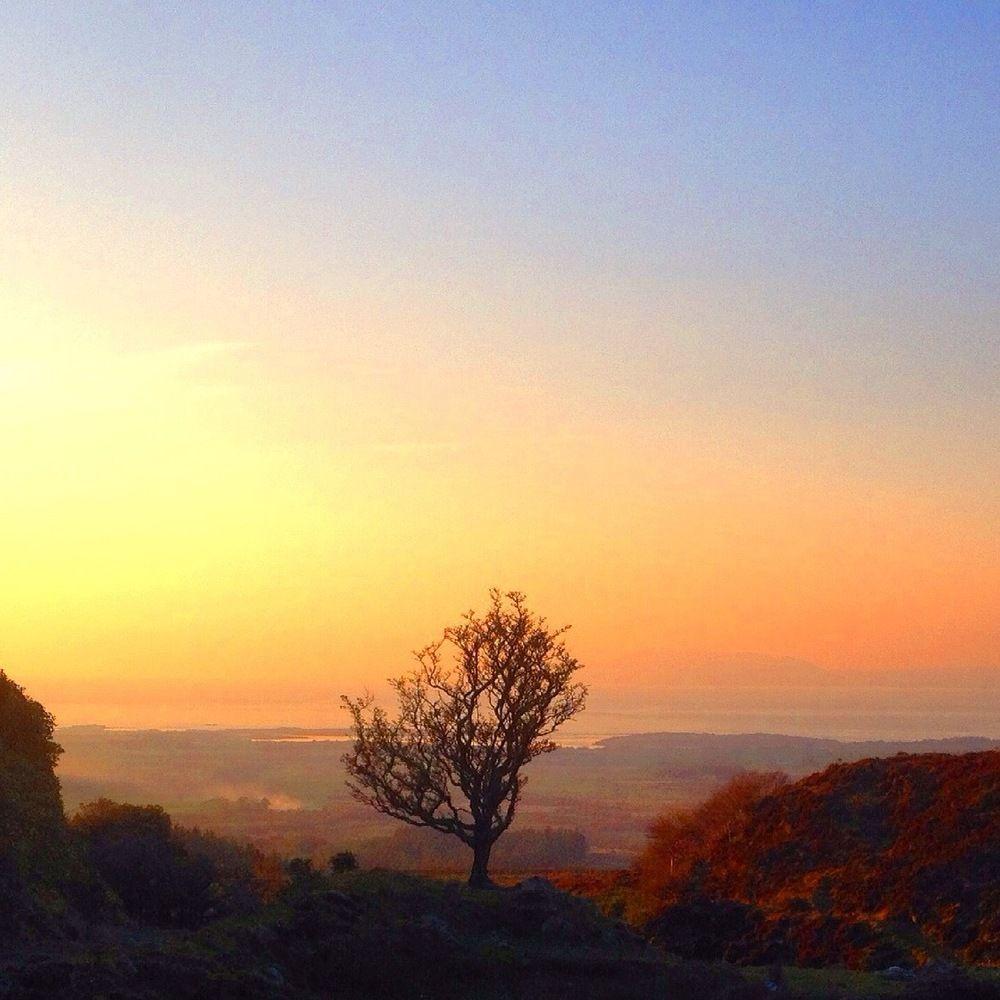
(570, 741)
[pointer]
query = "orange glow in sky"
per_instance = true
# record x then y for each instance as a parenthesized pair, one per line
(201, 514)
(281, 396)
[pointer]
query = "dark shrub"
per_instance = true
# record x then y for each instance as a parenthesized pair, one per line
(134, 850)
(303, 878)
(344, 861)
(243, 877)
(705, 929)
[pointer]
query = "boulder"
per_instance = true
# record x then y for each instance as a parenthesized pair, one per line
(897, 974)
(437, 928)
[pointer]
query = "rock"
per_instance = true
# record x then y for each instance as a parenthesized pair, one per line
(438, 928)
(274, 976)
(897, 974)
(321, 914)
(572, 927)
(536, 884)
(537, 906)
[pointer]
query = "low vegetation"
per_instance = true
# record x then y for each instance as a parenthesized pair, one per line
(868, 865)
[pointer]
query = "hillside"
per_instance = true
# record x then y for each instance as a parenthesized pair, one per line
(866, 863)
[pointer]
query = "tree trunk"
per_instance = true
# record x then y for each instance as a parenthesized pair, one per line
(479, 878)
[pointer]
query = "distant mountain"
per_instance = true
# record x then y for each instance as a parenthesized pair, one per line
(725, 754)
(865, 863)
(751, 671)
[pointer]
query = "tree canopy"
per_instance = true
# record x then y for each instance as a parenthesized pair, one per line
(136, 852)
(26, 727)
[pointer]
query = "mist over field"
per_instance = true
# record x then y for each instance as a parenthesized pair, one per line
(284, 789)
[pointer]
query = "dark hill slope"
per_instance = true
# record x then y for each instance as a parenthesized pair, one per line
(908, 846)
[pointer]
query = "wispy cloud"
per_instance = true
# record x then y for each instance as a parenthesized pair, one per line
(416, 447)
(85, 379)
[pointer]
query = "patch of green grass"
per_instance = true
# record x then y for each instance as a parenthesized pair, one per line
(823, 984)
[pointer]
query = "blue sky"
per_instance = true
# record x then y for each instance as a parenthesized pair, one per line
(796, 142)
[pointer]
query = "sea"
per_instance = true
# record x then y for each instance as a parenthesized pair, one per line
(843, 713)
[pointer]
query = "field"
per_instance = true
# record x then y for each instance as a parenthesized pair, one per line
(284, 789)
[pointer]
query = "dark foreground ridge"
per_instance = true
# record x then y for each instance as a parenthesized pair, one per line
(377, 934)
(372, 935)
(121, 904)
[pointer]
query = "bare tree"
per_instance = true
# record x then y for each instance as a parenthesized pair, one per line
(467, 724)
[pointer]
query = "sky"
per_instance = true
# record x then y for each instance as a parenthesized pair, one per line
(318, 320)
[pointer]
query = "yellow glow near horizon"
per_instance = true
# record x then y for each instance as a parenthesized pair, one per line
(173, 522)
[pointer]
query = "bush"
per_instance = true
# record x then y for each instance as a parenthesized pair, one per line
(705, 929)
(134, 850)
(680, 843)
(344, 861)
(243, 876)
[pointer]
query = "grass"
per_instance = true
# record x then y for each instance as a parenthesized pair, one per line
(829, 982)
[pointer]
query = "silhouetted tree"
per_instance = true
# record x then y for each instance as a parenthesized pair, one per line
(343, 861)
(26, 727)
(452, 758)
(34, 843)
